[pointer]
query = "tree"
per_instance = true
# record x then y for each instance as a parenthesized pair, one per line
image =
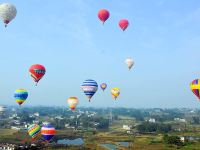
(172, 140)
(154, 127)
(195, 120)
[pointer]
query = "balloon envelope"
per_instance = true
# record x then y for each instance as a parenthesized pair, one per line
(48, 131)
(37, 71)
(34, 131)
(103, 15)
(7, 12)
(20, 96)
(72, 102)
(129, 62)
(195, 87)
(103, 86)
(123, 24)
(115, 92)
(89, 87)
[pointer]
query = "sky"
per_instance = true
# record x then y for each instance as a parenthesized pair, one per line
(67, 37)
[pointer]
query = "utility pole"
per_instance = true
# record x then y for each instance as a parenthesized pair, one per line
(110, 117)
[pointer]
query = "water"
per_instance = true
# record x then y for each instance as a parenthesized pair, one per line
(110, 146)
(77, 142)
(125, 144)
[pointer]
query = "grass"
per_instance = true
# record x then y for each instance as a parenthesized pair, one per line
(7, 132)
(94, 141)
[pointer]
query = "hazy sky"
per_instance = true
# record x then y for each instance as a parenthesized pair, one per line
(67, 37)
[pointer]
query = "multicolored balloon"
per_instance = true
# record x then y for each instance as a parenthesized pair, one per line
(37, 71)
(48, 131)
(73, 102)
(129, 62)
(115, 92)
(20, 96)
(103, 15)
(195, 87)
(89, 87)
(103, 86)
(7, 13)
(34, 131)
(123, 24)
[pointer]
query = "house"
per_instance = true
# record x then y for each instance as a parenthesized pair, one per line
(127, 127)
(45, 123)
(6, 146)
(152, 120)
(77, 116)
(182, 138)
(36, 121)
(36, 114)
(15, 128)
(180, 120)
(72, 117)
(66, 125)
(59, 117)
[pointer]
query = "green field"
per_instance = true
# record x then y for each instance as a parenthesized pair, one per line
(94, 141)
(7, 132)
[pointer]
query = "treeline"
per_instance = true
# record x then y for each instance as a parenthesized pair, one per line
(147, 127)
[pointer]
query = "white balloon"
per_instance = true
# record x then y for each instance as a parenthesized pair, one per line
(129, 62)
(7, 12)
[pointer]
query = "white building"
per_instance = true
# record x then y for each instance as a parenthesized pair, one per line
(72, 117)
(179, 120)
(182, 138)
(152, 120)
(15, 128)
(36, 114)
(127, 127)
(45, 123)
(59, 117)
(66, 125)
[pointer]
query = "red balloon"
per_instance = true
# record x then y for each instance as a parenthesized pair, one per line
(103, 15)
(123, 24)
(37, 71)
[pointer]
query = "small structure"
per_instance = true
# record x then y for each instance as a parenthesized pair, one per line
(36, 114)
(127, 127)
(152, 120)
(180, 120)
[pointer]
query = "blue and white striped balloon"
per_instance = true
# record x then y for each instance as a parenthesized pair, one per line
(89, 88)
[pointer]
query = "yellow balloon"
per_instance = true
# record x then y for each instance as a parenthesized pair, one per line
(115, 92)
(72, 102)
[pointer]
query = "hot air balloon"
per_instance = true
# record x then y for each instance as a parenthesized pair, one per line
(103, 15)
(20, 96)
(89, 87)
(115, 92)
(48, 131)
(123, 24)
(7, 12)
(37, 71)
(103, 86)
(34, 131)
(129, 62)
(2, 109)
(195, 87)
(73, 102)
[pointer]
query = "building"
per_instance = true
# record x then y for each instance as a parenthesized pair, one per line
(127, 127)
(180, 120)
(15, 128)
(152, 120)
(36, 114)
(6, 146)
